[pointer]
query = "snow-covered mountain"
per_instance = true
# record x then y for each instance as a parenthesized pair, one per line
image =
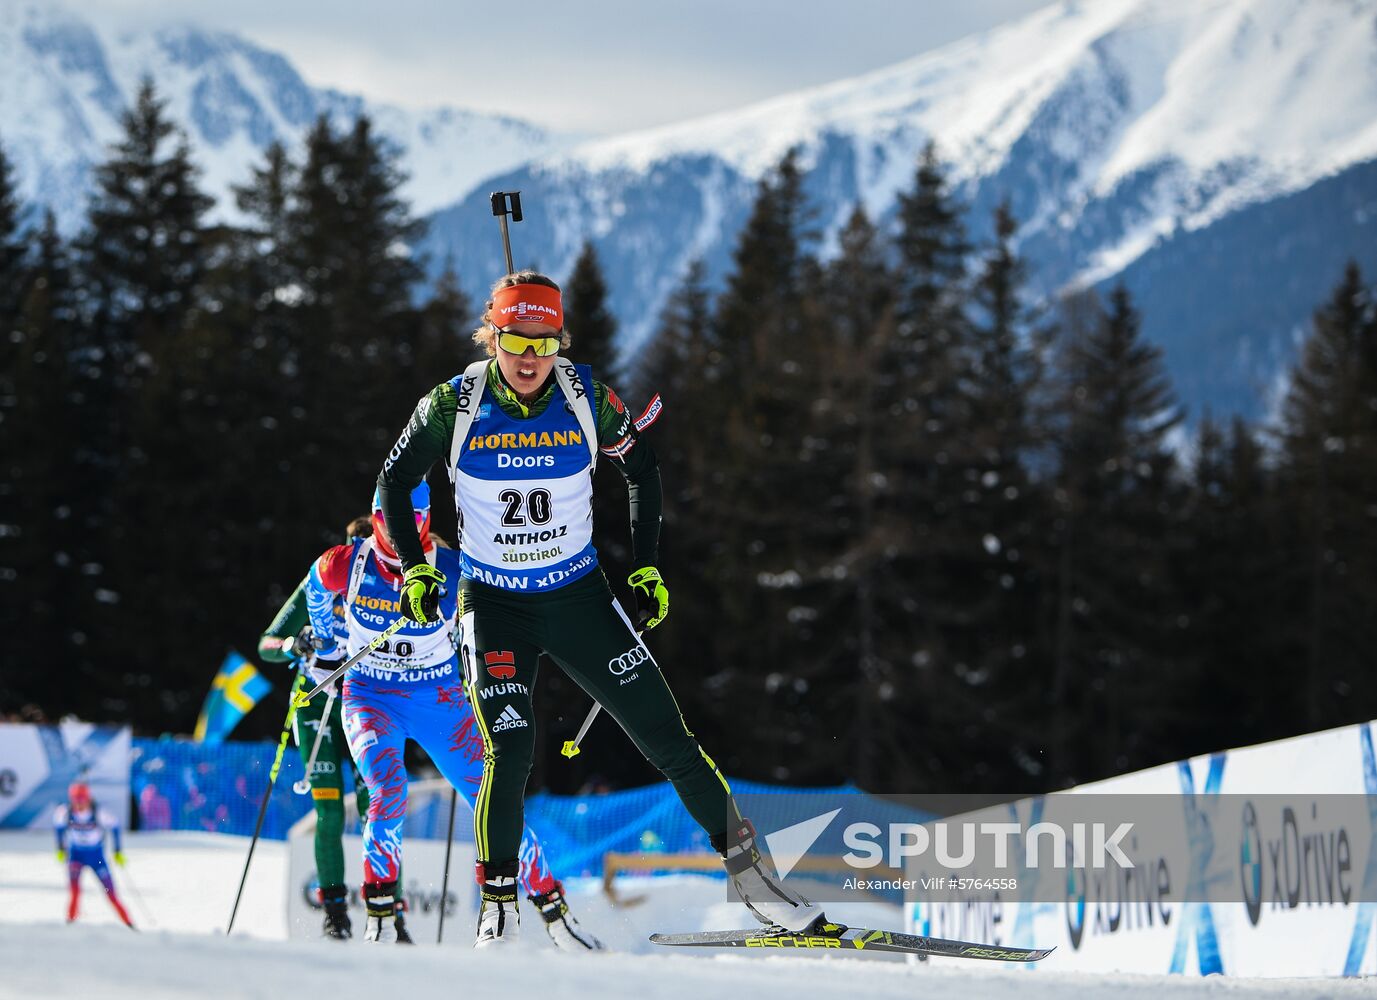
(1123, 132)
(1217, 156)
(65, 81)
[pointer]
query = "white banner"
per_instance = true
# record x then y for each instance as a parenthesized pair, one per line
(37, 763)
(1301, 870)
(423, 865)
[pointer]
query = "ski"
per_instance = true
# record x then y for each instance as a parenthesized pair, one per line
(841, 938)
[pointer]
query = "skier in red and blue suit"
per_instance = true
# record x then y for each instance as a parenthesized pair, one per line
(80, 826)
(410, 686)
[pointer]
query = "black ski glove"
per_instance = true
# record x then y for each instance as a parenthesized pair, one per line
(306, 642)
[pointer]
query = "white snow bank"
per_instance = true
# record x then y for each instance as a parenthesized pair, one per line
(188, 881)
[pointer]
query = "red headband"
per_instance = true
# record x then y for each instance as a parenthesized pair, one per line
(527, 304)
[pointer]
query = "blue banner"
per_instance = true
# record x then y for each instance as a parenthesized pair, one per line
(178, 784)
(181, 785)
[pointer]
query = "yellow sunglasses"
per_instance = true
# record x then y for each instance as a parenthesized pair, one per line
(516, 343)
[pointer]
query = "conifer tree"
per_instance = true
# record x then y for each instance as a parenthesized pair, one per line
(256, 395)
(857, 307)
(1115, 684)
(447, 321)
(267, 200)
(922, 463)
(768, 453)
(39, 580)
(12, 288)
(1329, 478)
(13, 250)
(257, 284)
(1227, 578)
(593, 329)
(443, 347)
(680, 349)
(348, 224)
(144, 249)
(994, 574)
(141, 260)
(681, 364)
(758, 314)
(346, 229)
(589, 320)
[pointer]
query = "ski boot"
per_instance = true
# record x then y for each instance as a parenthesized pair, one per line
(335, 899)
(380, 900)
(564, 930)
(499, 921)
(403, 937)
(753, 876)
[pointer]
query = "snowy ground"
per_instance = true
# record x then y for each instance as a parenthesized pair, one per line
(187, 882)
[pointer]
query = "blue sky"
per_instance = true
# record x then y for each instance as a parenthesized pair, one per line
(598, 66)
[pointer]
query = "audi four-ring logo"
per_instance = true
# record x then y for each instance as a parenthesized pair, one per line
(628, 661)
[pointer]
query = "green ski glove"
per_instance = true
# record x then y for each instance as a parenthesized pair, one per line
(420, 596)
(652, 597)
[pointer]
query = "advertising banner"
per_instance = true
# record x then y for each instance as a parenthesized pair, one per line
(37, 763)
(1251, 862)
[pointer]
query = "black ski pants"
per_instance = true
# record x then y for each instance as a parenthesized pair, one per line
(585, 631)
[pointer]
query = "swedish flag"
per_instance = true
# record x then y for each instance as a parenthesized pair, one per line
(237, 688)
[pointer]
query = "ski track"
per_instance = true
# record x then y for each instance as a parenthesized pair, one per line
(188, 881)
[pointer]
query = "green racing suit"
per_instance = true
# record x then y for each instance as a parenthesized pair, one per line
(327, 776)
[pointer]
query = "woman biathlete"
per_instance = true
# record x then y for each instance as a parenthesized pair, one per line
(519, 436)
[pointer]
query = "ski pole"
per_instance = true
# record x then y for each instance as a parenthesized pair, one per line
(301, 700)
(267, 794)
(138, 896)
(304, 785)
(506, 203)
(444, 883)
(571, 747)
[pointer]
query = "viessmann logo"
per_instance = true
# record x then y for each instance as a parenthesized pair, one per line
(526, 308)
